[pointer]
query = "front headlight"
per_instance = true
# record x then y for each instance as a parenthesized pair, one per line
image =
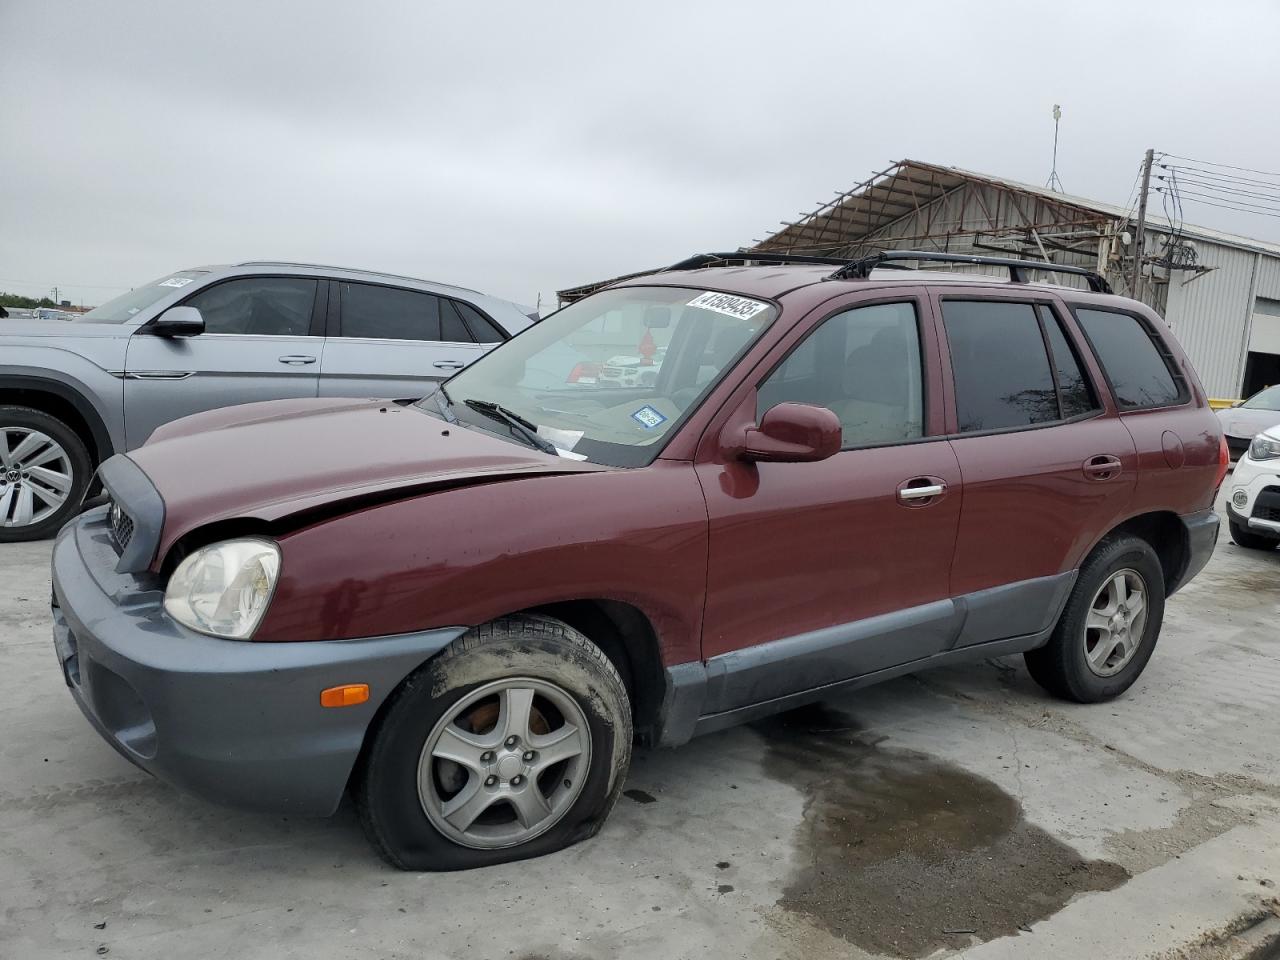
(223, 589)
(1264, 448)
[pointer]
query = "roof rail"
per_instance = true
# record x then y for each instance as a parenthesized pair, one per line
(699, 260)
(861, 269)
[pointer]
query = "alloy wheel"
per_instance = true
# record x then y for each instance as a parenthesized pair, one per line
(1116, 622)
(35, 476)
(505, 764)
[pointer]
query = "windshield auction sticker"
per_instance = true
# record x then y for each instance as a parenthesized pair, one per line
(175, 282)
(744, 308)
(648, 417)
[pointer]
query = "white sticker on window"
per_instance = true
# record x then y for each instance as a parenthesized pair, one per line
(175, 282)
(563, 439)
(744, 308)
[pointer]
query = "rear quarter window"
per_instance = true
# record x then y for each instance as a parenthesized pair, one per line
(1135, 359)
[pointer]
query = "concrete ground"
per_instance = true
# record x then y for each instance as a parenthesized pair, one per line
(959, 813)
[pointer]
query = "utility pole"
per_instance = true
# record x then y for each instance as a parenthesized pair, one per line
(1136, 285)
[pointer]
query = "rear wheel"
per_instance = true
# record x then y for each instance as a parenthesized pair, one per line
(514, 742)
(1249, 540)
(1109, 626)
(44, 472)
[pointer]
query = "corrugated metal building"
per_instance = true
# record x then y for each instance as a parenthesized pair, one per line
(1219, 292)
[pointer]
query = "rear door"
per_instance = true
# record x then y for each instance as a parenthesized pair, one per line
(393, 342)
(818, 572)
(1047, 465)
(262, 341)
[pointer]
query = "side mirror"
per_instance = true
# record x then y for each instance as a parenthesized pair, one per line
(177, 322)
(793, 433)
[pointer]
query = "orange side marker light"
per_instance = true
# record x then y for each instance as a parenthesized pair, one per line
(347, 695)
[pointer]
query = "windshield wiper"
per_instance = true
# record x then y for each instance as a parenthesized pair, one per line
(518, 424)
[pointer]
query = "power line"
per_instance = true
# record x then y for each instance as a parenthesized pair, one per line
(1218, 176)
(1243, 203)
(1224, 206)
(1227, 166)
(1216, 188)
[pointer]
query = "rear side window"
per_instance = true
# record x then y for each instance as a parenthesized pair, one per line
(1000, 365)
(1136, 362)
(389, 313)
(480, 325)
(257, 306)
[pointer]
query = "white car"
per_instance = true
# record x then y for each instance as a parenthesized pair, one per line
(1253, 508)
(1243, 421)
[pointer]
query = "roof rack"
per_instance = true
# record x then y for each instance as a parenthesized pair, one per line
(861, 269)
(699, 260)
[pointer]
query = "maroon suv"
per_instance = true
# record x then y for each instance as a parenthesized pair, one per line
(800, 477)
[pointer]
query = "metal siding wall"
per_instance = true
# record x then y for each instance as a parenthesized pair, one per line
(1209, 315)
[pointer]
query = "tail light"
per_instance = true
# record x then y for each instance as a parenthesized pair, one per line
(583, 371)
(1224, 461)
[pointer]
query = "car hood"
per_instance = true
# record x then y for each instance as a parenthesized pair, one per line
(290, 458)
(1244, 423)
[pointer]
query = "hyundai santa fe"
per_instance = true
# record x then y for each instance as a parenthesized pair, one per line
(465, 610)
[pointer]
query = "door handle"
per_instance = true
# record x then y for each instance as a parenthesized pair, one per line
(449, 364)
(1102, 467)
(921, 489)
(297, 359)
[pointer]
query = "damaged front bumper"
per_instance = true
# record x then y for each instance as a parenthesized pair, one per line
(233, 721)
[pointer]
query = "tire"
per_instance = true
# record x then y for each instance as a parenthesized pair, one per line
(1246, 538)
(1062, 666)
(57, 455)
(399, 781)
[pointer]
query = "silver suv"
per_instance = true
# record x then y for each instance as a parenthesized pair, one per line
(72, 394)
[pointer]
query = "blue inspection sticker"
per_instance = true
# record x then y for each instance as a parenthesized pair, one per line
(648, 417)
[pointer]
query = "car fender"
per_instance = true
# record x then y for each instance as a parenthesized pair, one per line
(468, 555)
(96, 393)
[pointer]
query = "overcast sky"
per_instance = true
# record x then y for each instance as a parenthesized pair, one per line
(518, 148)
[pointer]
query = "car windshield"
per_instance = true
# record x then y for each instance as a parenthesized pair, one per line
(123, 308)
(1268, 399)
(610, 377)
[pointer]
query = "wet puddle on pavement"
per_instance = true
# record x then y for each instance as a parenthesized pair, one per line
(903, 854)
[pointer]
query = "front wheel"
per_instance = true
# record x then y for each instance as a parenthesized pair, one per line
(513, 742)
(44, 472)
(1246, 538)
(1109, 626)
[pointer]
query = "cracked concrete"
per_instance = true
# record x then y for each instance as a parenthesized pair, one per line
(1177, 785)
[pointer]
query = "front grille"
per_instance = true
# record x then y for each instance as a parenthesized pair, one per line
(1267, 506)
(121, 527)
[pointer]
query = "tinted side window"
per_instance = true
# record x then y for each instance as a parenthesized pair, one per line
(1074, 392)
(265, 306)
(998, 360)
(388, 313)
(1128, 352)
(452, 329)
(864, 364)
(480, 325)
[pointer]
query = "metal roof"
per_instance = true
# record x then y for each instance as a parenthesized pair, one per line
(909, 185)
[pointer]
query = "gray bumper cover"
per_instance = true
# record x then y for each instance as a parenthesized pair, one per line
(233, 721)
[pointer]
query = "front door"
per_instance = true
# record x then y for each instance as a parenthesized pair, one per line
(819, 572)
(257, 345)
